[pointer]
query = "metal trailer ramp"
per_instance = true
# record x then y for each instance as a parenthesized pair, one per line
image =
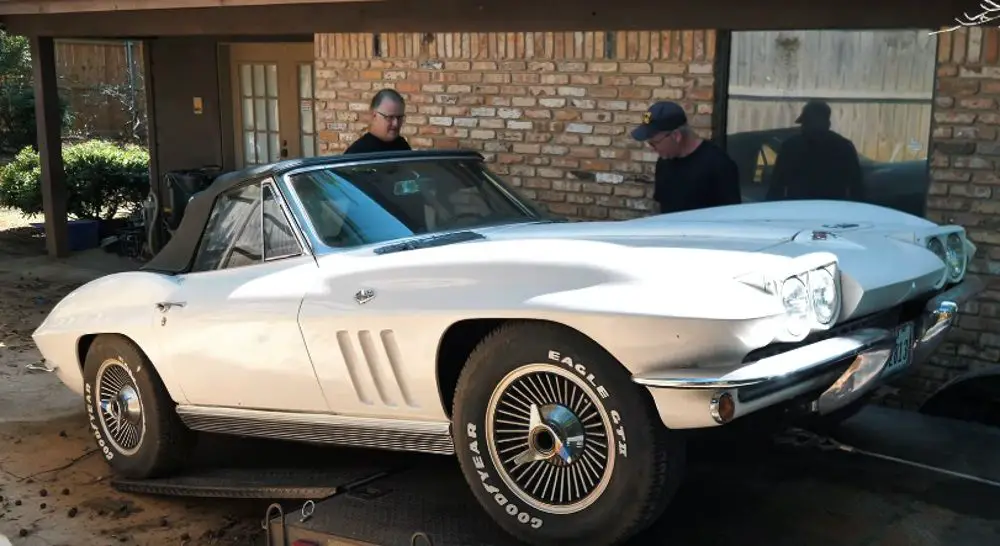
(418, 506)
(246, 483)
(249, 469)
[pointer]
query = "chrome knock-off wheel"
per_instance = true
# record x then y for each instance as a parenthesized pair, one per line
(121, 414)
(550, 439)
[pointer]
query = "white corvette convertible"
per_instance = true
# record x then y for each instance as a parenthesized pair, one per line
(412, 301)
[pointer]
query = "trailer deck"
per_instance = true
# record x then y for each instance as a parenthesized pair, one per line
(929, 485)
(422, 506)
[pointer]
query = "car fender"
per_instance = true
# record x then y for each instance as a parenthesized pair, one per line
(120, 303)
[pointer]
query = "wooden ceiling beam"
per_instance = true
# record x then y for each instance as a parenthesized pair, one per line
(41, 7)
(484, 16)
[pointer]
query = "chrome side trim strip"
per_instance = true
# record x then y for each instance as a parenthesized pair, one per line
(365, 432)
(772, 368)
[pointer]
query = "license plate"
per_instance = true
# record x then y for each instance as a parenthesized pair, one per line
(902, 354)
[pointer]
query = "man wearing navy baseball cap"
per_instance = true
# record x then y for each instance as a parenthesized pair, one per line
(691, 173)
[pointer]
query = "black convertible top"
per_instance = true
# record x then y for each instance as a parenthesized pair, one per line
(178, 254)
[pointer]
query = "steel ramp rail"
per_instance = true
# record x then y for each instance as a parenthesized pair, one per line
(250, 469)
(250, 483)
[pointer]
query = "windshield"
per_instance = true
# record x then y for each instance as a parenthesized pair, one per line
(364, 204)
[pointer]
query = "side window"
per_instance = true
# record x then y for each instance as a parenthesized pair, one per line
(279, 239)
(230, 216)
(249, 246)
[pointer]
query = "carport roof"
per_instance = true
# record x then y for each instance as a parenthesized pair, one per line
(132, 18)
(41, 7)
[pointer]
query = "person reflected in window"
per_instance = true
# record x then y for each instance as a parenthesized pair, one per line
(388, 112)
(817, 163)
(691, 173)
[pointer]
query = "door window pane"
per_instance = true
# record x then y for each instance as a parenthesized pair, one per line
(279, 240)
(260, 116)
(307, 125)
(231, 212)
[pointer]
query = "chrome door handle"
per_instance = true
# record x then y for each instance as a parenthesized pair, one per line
(165, 306)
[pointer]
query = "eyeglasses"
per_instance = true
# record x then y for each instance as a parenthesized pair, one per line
(659, 138)
(400, 118)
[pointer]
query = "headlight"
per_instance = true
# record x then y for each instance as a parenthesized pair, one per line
(935, 246)
(955, 257)
(808, 290)
(795, 298)
(950, 249)
(824, 295)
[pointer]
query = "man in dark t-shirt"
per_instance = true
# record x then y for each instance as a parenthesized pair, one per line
(817, 163)
(691, 173)
(388, 111)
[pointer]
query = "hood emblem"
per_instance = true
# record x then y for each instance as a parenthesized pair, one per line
(364, 296)
(823, 235)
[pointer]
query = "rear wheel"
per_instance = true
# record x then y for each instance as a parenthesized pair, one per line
(557, 443)
(131, 414)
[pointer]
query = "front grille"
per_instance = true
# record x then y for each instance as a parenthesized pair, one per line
(888, 319)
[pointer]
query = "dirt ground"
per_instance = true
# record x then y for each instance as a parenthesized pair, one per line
(53, 489)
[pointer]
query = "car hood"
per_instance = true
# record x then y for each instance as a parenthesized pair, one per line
(750, 227)
(702, 247)
(743, 239)
(747, 236)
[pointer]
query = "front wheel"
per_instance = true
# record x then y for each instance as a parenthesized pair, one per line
(131, 414)
(557, 443)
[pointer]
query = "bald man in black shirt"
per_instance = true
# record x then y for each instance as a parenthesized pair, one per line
(692, 173)
(388, 111)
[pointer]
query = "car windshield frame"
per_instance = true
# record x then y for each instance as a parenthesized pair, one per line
(374, 185)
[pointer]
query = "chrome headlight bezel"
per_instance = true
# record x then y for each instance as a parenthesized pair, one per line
(828, 277)
(953, 249)
(816, 272)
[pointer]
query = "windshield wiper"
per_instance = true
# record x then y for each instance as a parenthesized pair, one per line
(428, 242)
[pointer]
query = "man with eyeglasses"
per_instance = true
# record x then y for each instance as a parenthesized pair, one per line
(691, 173)
(388, 111)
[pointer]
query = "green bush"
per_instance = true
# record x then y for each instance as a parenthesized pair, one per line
(17, 116)
(102, 178)
(17, 96)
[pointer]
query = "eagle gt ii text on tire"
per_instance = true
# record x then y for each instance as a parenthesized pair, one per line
(556, 440)
(413, 301)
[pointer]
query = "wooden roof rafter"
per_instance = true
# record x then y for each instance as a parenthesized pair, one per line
(42, 7)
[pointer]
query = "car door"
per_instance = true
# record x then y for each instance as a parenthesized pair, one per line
(230, 329)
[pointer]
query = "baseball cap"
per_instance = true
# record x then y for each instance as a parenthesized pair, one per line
(814, 110)
(663, 116)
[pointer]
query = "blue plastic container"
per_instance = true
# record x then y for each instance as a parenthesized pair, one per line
(82, 234)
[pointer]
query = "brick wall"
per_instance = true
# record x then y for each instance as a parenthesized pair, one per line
(550, 111)
(965, 189)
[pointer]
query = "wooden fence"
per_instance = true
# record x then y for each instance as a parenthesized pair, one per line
(103, 83)
(879, 85)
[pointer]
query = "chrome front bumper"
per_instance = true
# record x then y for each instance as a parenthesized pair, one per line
(694, 402)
